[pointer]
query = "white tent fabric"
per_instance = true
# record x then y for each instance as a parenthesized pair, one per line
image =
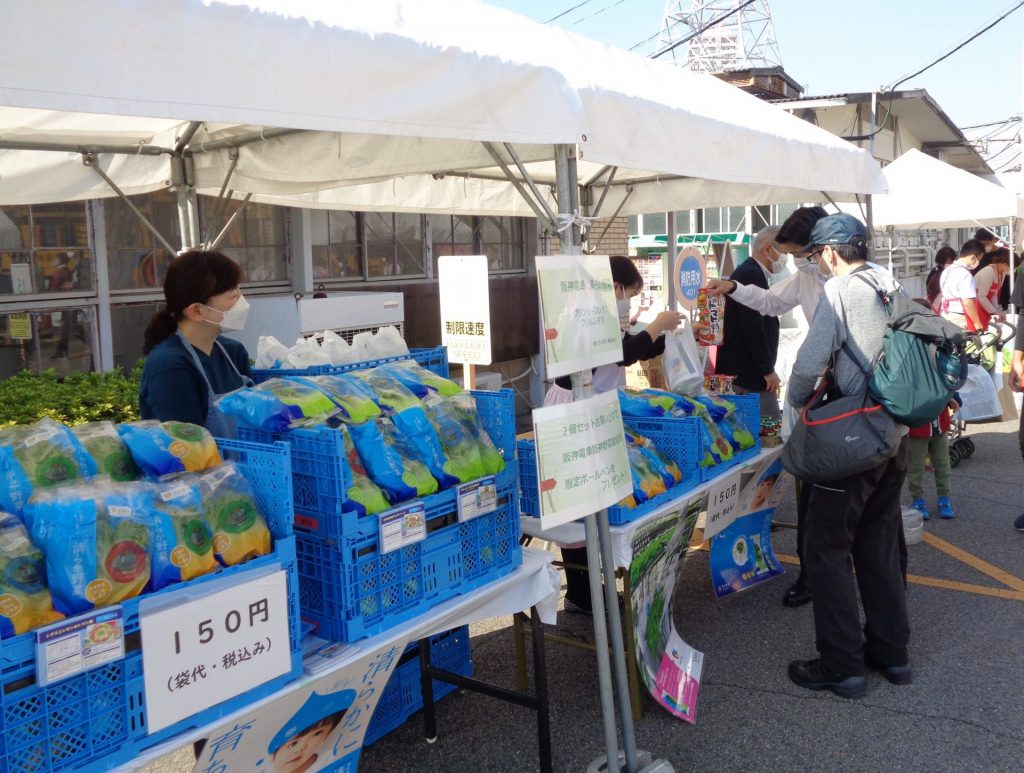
(386, 89)
(927, 193)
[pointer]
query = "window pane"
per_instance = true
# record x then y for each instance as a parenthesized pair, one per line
(737, 219)
(655, 223)
(336, 250)
(256, 240)
(502, 241)
(394, 244)
(712, 220)
(633, 225)
(683, 221)
(451, 235)
(45, 248)
(762, 218)
(129, 324)
(39, 340)
(135, 258)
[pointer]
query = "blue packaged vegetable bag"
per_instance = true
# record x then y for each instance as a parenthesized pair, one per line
(36, 457)
(391, 461)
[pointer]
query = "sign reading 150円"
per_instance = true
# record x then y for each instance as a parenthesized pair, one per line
(465, 308)
(581, 324)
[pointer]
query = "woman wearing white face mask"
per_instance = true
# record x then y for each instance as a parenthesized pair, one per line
(189, 364)
(635, 347)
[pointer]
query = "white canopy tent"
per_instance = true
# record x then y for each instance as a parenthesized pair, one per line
(318, 104)
(927, 193)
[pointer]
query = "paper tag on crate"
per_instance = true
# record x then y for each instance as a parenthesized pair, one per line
(477, 498)
(79, 644)
(403, 526)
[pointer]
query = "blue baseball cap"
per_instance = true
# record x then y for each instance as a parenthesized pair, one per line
(836, 229)
(316, 708)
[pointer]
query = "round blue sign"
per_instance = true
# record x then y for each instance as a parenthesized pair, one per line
(691, 276)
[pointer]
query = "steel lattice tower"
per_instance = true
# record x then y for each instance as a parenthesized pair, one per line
(742, 40)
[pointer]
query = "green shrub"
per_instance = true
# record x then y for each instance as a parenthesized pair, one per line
(73, 399)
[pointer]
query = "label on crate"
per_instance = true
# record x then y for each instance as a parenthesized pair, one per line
(582, 462)
(79, 644)
(477, 498)
(723, 502)
(403, 526)
(581, 321)
(465, 308)
(213, 645)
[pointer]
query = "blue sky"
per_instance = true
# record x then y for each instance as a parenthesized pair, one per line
(831, 46)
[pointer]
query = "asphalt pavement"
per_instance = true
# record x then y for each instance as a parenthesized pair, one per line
(962, 712)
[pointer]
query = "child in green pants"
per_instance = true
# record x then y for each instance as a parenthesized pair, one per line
(931, 440)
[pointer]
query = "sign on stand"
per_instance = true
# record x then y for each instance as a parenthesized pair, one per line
(581, 323)
(465, 308)
(688, 276)
(214, 646)
(723, 501)
(582, 462)
(320, 725)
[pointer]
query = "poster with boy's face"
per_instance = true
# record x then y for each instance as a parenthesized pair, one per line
(320, 724)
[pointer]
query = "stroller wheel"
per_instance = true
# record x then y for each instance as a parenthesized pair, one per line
(954, 456)
(969, 445)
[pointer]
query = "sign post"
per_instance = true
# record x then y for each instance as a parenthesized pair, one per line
(465, 312)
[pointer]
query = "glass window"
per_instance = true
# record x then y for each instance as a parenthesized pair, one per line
(782, 211)
(655, 223)
(683, 221)
(136, 259)
(762, 218)
(37, 340)
(45, 248)
(394, 244)
(737, 219)
(128, 323)
(712, 220)
(257, 240)
(502, 241)
(337, 250)
(634, 225)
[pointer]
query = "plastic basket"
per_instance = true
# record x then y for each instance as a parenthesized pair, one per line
(678, 439)
(96, 720)
(434, 359)
(748, 407)
(402, 697)
(321, 476)
(350, 590)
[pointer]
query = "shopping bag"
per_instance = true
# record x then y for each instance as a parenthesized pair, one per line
(684, 372)
(979, 396)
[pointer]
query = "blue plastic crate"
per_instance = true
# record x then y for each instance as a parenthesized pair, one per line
(402, 697)
(678, 439)
(748, 407)
(96, 720)
(434, 359)
(321, 476)
(350, 590)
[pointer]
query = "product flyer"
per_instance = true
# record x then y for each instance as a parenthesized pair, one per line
(669, 667)
(320, 725)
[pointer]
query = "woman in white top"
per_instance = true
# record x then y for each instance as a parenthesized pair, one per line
(988, 283)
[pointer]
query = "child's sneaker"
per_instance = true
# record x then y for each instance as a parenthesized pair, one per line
(922, 508)
(946, 508)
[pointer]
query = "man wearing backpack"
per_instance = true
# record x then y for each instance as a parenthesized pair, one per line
(853, 523)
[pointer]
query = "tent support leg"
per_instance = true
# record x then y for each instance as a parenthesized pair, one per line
(615, 214)
(604, 192)
(90, 161)
(539, 206)
(234, 216)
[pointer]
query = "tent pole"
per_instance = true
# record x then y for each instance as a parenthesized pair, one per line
(1013, 253)
(90, 161)
(540, 207)
(604, 192)
(529, 181)
(615, 214)
(234, 216)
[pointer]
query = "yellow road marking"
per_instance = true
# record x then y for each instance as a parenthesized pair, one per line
(974, 562)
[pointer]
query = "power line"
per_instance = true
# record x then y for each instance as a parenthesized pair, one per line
(1004, 122)
(595, 13)
(570, 10)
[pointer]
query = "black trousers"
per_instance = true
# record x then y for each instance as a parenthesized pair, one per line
(854, 524)
(577, 581)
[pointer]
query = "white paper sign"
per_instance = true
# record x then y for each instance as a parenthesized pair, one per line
(581, 323)
(723, 504)
(214, 647)
(403, 526)
(477, 498)
(465, 308)
(582, 462)
(79, 644)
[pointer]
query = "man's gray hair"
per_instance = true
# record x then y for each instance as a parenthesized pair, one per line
(763, 238)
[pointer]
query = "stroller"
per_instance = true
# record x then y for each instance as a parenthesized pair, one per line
(981, 404)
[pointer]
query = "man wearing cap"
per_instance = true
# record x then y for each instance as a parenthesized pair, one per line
(853, 523)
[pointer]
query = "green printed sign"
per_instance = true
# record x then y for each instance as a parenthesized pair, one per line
(582, 463)
(581, 324)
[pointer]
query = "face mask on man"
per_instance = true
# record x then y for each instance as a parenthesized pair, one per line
(234, 318)
(779, 264)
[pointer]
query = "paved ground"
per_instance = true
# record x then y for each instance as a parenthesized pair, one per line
(962, 713)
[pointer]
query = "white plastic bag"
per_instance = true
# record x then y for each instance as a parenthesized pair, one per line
(361, 349)
(307, 353)
(336, 347)
(981, 401)
(684, 373)
(388, 342)
(270, 353)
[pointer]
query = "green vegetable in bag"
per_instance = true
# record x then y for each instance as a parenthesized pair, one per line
(107, 450)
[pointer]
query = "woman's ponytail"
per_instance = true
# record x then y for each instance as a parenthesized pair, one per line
(161, 325)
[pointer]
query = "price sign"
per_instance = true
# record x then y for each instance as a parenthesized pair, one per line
(403, 526)
(465, 308)
(688, 275)
(723, 502)
(582, 462)
(19, 326)
(214, 646)
(477, 498)
(79, 644)
(581, 322)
